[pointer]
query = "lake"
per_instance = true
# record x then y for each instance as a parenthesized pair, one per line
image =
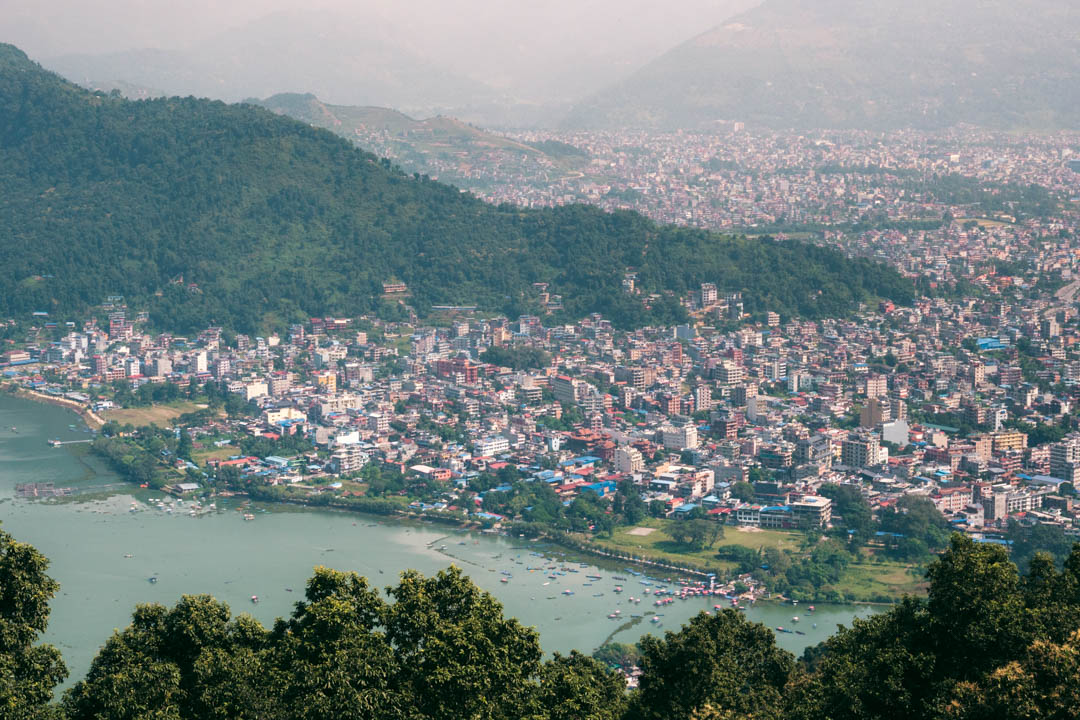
(105, 544)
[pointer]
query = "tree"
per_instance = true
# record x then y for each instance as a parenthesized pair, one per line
(28, 672)
(743, 490)
(457, 656)
(330, 660)
(721, 660)
(577, 687)
(192, 661)
(1042, 684)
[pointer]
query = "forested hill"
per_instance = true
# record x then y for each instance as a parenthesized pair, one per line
(233, 215)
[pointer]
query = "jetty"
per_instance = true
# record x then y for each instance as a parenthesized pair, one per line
(42, 490)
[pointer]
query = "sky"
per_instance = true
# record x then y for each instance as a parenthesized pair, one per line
(537, 51)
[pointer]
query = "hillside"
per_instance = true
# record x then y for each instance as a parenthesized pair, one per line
(437, 135)
(231, 214)
(875, 64)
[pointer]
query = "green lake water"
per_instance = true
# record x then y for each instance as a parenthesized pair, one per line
(88, 538)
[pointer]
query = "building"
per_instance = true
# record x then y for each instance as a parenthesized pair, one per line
(877, 386)
(812, 511)
(379, 423)
(1065, 459)
(628, 460)
(347, 459)
(633, 376)
(729, 373)
(569, 390)
(680, 438)
(459, 369)
(861, 450)
(709, 294)
(703, 398)
(876, 411)
(327, 381)
(491, 446)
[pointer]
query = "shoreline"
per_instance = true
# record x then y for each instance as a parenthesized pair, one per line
(92, 419)
(586, 547)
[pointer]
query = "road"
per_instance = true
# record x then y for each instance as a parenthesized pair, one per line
(1064, 297)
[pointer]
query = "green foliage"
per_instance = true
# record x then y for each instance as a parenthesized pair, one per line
(577, 687)
(967, 644)
(916, 527)
(229, 214)
(618, 654)
(696, 533)
(518, 358)
(721, 660)
(853, 509)
(28, 672)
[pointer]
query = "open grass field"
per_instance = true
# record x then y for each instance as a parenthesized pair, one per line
(864, 581)
(658, 544)
(201, 457)
(160, 415)
(870, 581)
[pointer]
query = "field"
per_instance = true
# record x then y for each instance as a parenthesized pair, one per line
(869, 581)
(214, 453)
(863, 581)
(658, 544)
(160, 415)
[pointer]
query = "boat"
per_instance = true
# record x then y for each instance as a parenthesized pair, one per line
(128, 555)
(568, 592)
(799, 632)
(504, 580)
(152, 579)
(795, 619)
(254, 599)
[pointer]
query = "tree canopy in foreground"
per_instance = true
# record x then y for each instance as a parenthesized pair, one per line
(986, 643)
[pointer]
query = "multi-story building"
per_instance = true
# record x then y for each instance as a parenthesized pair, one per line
(1065, 459)
(861, 450)
(628, 460)
(680, 438)
(703, 398)
(729, 373)
(491, 446)
(877, 386)
(812, 511)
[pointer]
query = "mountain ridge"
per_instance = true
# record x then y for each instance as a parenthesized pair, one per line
(229, 214)
(868, 64)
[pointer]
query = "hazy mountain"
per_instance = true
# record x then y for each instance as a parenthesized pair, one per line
(862, 63)
(486, 61)
(356, 62)
(206, 212)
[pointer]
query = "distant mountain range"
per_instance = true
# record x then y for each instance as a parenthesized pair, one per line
(283, 52)
(875, 64)
(490, 62)
(212, 213)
